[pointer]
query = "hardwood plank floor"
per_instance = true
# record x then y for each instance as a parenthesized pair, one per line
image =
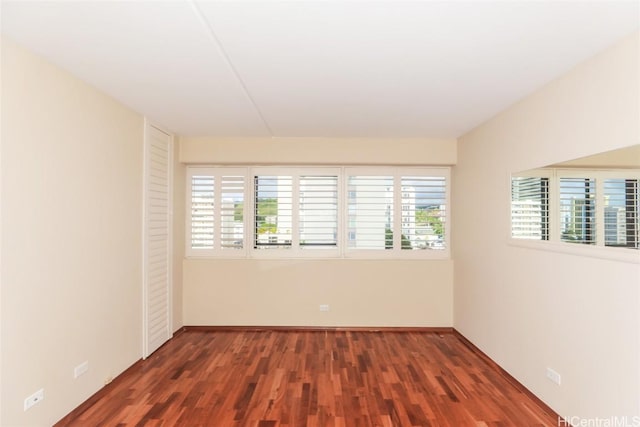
(320, 378)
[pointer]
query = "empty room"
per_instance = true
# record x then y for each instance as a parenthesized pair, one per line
(320, 213)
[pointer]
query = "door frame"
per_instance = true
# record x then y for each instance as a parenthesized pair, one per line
(148, 127)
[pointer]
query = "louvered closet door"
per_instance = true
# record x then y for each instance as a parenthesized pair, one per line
(157, 240)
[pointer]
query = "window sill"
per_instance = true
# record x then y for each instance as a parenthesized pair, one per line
(613, 254)
(318, 255)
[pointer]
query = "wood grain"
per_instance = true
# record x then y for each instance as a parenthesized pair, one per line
(270, 378)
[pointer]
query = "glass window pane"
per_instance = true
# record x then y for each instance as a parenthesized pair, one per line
(621, 205)
(273, 216)
(578, 210)
(423, 212)
(530, 208)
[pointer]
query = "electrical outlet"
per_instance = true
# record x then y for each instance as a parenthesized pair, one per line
(80, 369)
(36, 397)
(553, 376)
(324, 307)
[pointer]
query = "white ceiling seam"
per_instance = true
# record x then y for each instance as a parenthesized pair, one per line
(208, 27)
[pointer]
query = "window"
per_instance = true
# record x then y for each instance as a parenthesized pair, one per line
(303, 212)
(578, 210)
(589, 207)
(296, 210)
(274, 211)
(621, 206)
(530, 208)
(232, 212)
(202, 208)
(318, 212)
(217, 199)
(403, 210)
(424, 205)
(370, 212)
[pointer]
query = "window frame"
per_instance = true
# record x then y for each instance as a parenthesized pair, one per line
(340, 251)
(217, 251)
(295, 250)
(543, 174)
(599, 249)
(397, 173)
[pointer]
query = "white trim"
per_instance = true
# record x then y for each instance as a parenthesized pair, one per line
(217, 173)
(340, 251)
(146, 351)
(591, 251)
(294, 251)
(554, 244)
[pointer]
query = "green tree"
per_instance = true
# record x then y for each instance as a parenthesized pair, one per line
(430, 217)
(238, 209)
(266, 208)
(388, 240)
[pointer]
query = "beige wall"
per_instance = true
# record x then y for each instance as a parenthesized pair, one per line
(622, 158)
(532, 309)
(71, 238)
(289, 292)
(318, 151)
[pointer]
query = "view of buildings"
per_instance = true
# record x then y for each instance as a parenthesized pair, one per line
(370, 204)
(578, 212)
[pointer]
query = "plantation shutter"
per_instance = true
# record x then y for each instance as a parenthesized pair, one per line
(370, 206)
(157, 240)
(274, 211)
(621, 206)
(530, 208)
(216, 221)
(202, 211)
(232, 212)
(423, 212)
(318, 214)
(578, 210)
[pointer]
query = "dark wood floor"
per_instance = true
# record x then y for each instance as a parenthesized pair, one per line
(304, 378)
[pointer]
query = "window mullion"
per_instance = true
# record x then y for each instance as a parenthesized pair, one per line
(295, 211)
(600, 217)
(250, 215)
(554, 208)
(397, 213)
(247, 212)
(343, 214)
(217, 212)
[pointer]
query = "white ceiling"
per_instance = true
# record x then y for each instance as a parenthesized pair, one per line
(318, 68)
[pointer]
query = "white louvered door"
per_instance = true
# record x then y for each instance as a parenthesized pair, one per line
(157, 246)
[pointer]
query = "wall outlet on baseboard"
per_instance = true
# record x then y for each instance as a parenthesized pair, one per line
(324, 307)
(36, 397)
(553, 376)
(80, 369)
